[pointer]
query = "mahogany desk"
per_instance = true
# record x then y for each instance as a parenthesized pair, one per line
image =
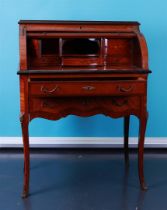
(83, 68)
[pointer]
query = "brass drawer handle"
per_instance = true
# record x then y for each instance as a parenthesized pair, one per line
(125, 90)
(88, 87)
(45, 89)
(120, 103)
(46, 104)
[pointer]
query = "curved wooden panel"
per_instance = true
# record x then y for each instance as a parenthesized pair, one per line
(144, 50)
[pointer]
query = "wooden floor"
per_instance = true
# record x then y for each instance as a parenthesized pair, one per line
(83, 180)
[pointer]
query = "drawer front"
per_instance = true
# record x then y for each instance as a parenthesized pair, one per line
(86, 88)
(57, 107)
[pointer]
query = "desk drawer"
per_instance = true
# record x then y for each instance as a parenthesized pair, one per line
(86, 88)
(57, 107)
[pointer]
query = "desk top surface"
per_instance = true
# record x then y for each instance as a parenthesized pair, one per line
(139, 71)
(78, 22)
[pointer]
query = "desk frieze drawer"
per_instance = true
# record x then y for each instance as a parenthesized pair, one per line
(114, 106)
(85, 88)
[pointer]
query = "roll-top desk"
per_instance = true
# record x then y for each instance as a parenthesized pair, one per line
(83, 68)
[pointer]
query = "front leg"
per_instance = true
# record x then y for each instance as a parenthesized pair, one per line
(24, 125)
(142, 129)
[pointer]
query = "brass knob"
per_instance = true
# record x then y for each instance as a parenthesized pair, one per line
(88, 88)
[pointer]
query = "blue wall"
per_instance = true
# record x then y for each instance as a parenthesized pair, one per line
(153, 17)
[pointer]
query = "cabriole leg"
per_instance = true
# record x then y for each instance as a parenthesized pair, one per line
(142, 129)
(24, 125)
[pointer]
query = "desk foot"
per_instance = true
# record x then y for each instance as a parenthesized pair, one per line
(144, 187)
(24, 195)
